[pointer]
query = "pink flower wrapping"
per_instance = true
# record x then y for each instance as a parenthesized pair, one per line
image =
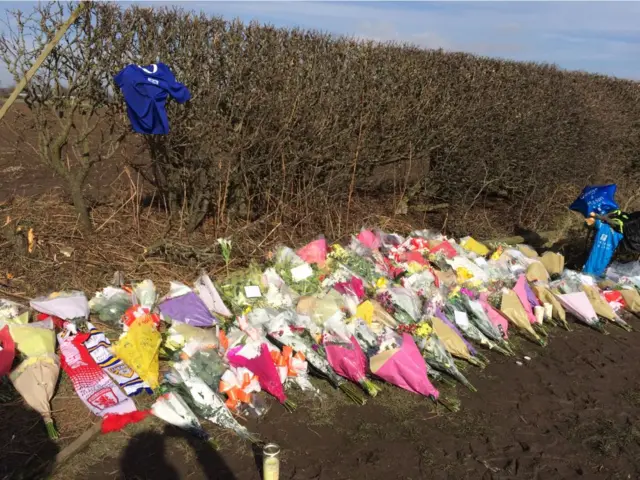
(369, 239)
(521, 292)
(314, 252)
(495, 317)
(405, 368)
(347, 361)
(263, 367)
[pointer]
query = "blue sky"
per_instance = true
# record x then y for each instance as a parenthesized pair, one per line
(601, 37)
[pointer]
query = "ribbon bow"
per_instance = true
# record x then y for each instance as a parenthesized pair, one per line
(238, 384)
(286, 362)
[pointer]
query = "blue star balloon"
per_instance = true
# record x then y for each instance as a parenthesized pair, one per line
(596, 198)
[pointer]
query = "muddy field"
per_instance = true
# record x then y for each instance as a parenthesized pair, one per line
(569, 412)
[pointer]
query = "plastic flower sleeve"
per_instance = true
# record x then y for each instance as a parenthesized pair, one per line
(12, 312)
(558, 311)
(521, 292)
(145, 294)
(34, 339)
(110, 304)
(209, 295)
(209, 403)
(512, 308)
(171, 408)
(437, 356)
(495, 317)
(64, 305)
(631, 299)
(451, 341)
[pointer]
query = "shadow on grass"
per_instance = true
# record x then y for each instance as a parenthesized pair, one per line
(26, 452)
(146, 456)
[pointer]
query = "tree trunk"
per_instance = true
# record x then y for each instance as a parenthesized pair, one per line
(79, 203)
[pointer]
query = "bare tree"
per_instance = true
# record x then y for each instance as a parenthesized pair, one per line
(76, 114)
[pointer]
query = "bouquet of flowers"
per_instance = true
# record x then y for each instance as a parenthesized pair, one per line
(243, 289)
(207, 403)
(314, 252)
(452, 341)
(258, 360)
(182, 305)
(512, 308)
(171, 408)
(282, 334)
(399, 362)
(578, 304)
(347, 360)
(356, 264)
(436, 354)
(238, 384)
(545, 295)
(470, 330)
(300, 276)
(291, 367)
(481, 320)
(402, 303)
(602, 308)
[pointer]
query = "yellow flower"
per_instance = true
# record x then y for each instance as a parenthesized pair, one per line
(462, 275)
(497, 254)
(246, 310)
(414, 267)
(381, 282)
(423, 330)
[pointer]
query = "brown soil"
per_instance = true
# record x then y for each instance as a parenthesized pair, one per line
(570, 412)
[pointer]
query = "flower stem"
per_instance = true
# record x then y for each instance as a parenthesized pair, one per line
(353, 395)
(370, 387)
(289, 405)
(51, 430)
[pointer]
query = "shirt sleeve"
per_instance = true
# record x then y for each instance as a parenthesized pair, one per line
(178, 91)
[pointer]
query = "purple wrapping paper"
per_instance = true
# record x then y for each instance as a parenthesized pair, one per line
(189, 309)
(533, 300)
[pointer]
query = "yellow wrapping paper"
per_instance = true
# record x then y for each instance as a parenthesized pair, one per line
(527, 251)
(475, 246)
(512, 308)
(536, 272)
(365, 311)
(545, 296)
(553, 262)
(450, 339)
(632, 299)
(33, 341)
(598, 303)
(138, 348)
